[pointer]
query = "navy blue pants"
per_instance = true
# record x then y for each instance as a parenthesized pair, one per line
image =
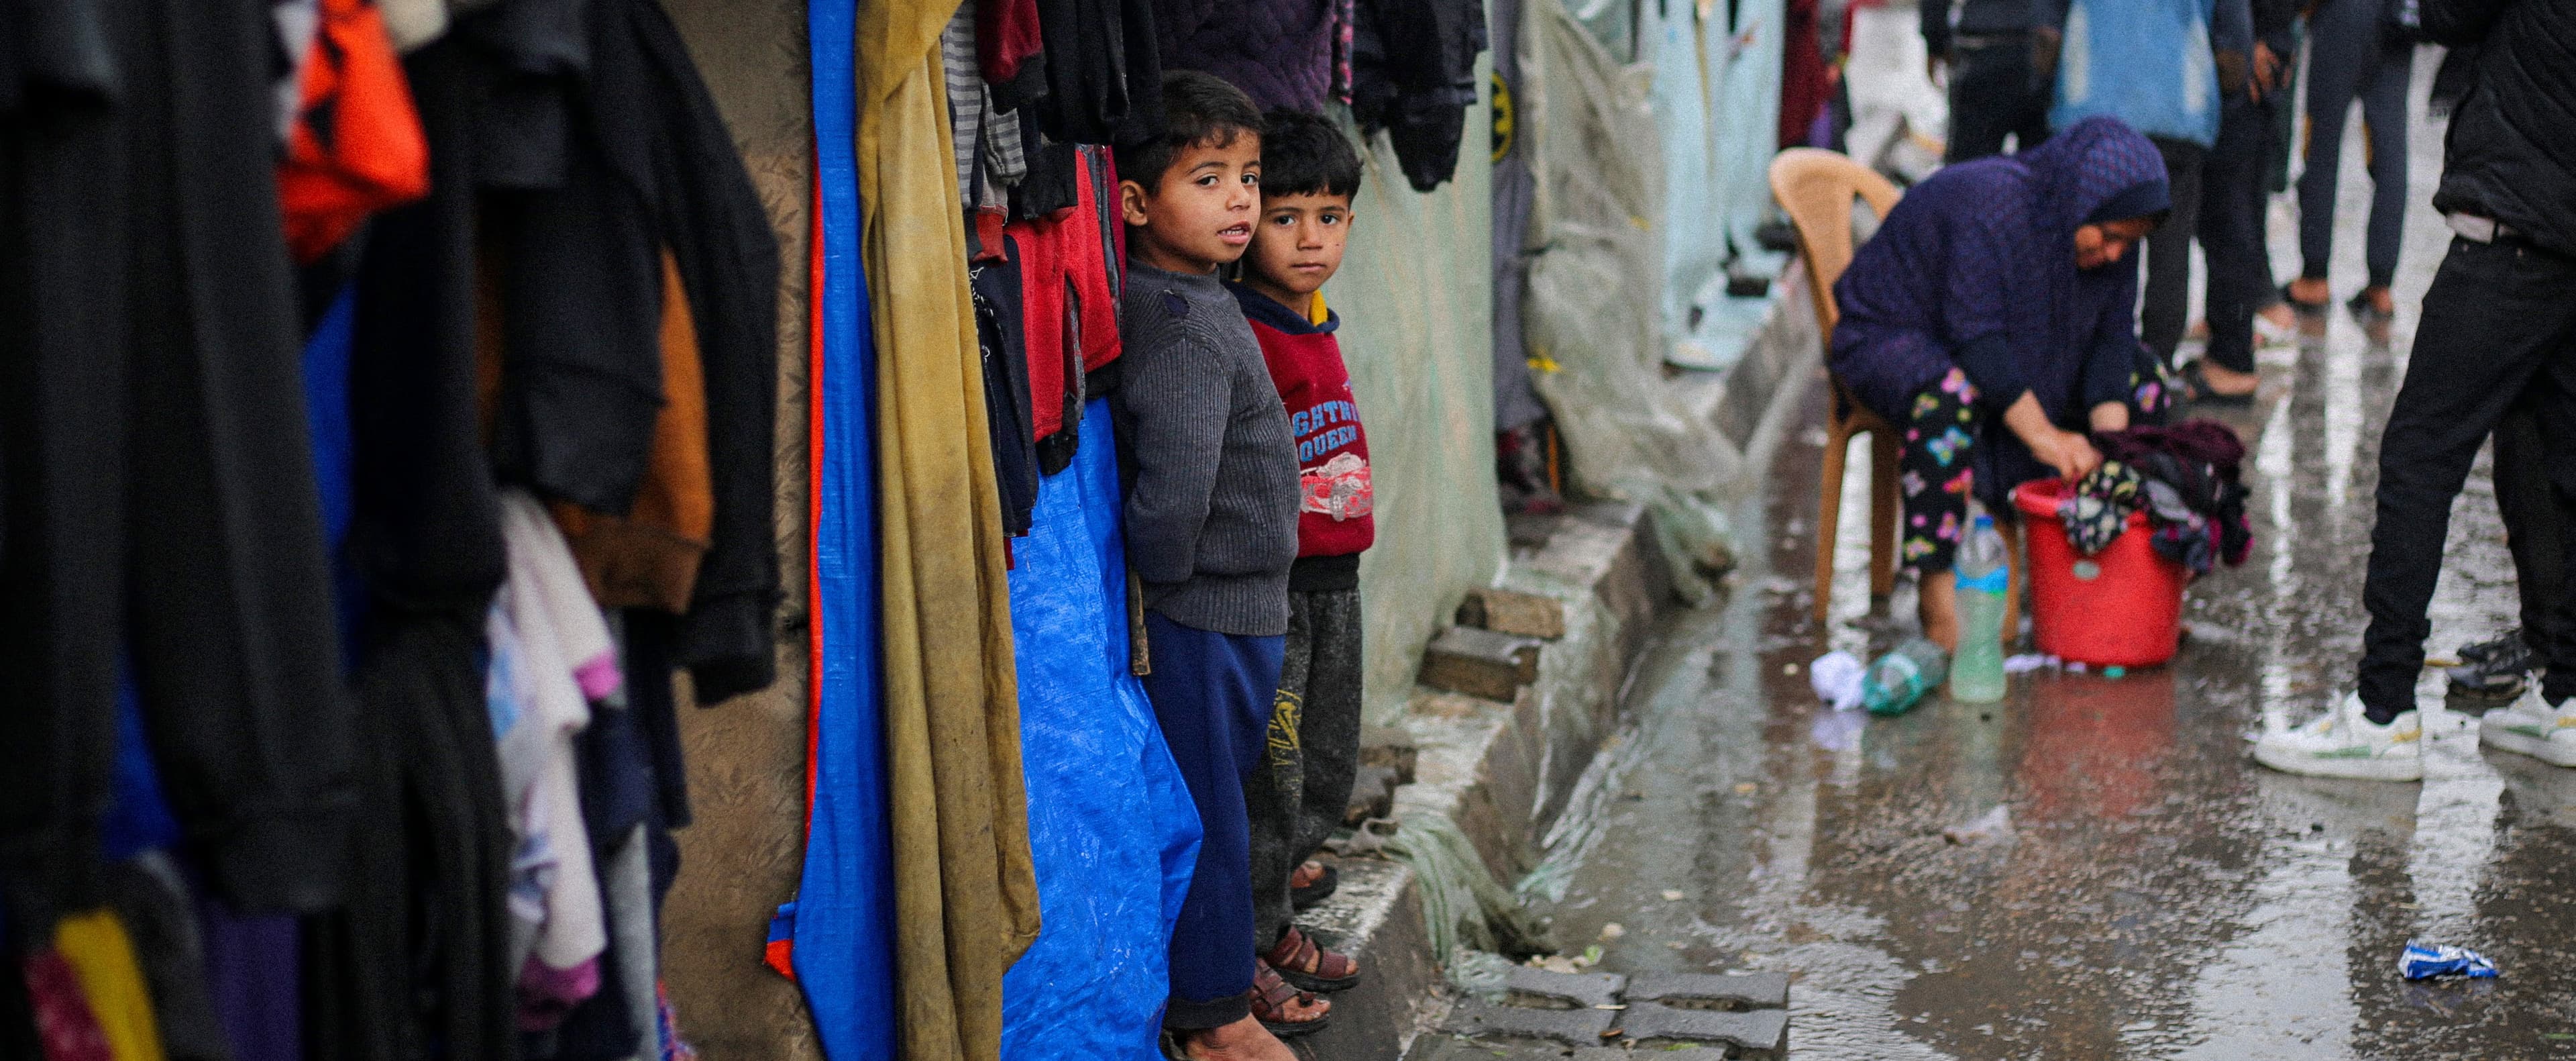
(2350, 58)
(1212, 694)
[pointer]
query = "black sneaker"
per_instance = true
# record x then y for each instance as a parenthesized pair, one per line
(2496, 668)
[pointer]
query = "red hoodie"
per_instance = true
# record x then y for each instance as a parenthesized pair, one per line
(1335, 499)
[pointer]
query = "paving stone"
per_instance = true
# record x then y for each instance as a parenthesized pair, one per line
(1759, 1029)
(1506, 611)
(1585, 990)
(1613, 1053)
(1573, 1027)
(1483, 663)
(1753, 991)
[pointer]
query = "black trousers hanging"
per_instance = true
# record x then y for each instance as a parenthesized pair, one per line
(159, 496)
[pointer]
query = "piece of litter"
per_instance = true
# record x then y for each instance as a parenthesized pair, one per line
(2426, 961)
(2024, 663)
(1672, 895)
(1836, 677)
(2075, 665)
(1995, 824)
(1788, 668)
(1613, 930)
(1677, 944)
(1746, 788)
(2115, 672)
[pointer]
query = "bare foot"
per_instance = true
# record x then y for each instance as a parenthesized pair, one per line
(2280, 316)
(1937, 602)
(1243, 1040)
(2310, 292)
(2228, 381)
(2381, 300)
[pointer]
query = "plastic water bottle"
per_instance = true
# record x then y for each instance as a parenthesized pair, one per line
(1977, 675)
(1901, 677)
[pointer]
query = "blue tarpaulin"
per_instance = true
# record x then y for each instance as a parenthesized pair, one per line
(1111, 826)
(843, 919)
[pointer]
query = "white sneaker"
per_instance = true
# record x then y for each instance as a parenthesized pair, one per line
(2343, 742)
(2532, 727)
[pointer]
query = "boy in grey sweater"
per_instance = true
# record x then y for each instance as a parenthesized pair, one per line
(1211, 506)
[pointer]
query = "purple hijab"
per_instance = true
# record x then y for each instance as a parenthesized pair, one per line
(1976, 267)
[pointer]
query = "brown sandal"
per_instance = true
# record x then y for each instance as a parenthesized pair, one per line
(1301, 961)
(1271, 997)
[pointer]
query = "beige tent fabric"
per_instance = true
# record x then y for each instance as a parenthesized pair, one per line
(966, 901)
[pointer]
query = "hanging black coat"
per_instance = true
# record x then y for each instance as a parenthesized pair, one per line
(1413, 74)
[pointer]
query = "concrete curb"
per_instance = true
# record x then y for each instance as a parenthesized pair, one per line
(1504, 771)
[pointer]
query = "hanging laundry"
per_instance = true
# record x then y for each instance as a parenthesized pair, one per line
(1103, 69)
(355, 145)
(1413, 74)
(551, 658)
(648, 557)
(102, 956)
(1279, 52)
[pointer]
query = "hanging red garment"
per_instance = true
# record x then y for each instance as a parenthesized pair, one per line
(1068, 304)
(356, 145)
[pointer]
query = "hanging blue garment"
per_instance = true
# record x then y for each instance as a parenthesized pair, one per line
(2145, 62)
(1111, 827)
(842, 930)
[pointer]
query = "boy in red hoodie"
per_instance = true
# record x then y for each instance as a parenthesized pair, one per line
(1308, 175)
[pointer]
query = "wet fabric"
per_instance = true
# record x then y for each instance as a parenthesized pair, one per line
(1114, 835)
(2190, 489)
(966, 901)
(1296, 796)
(2097, 510)
(1212, 696)
(1975, 268)
(1936, 471)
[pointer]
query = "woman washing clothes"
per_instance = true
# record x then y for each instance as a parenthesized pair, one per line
(1993, 320)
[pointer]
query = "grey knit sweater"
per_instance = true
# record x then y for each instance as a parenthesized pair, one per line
(1211, 466)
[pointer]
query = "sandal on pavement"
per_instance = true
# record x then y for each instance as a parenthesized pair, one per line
(1271, 997)
(1298, 959)
(1321, 880)
(2196, 389)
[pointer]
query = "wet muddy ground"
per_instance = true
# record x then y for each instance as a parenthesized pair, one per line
(2158, 895)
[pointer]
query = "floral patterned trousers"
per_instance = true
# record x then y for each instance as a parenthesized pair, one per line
(1934, 473)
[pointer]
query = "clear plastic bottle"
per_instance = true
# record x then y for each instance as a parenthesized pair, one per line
(1977, 675)
(1902, 676)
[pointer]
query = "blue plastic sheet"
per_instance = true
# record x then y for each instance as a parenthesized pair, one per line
(843, 929)
(1111, 826)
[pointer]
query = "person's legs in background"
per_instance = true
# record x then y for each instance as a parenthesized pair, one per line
(1308, 765)
(2168, 296)
(1990, 80)
(2383, 114)
(2343, 51)
(2534, 533)
(2231, 239)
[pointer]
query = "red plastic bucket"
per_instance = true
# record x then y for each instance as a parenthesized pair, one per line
(2119, 607)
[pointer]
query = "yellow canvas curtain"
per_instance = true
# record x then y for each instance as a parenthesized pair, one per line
(966, 901)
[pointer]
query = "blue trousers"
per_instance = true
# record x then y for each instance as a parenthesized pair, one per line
(1212, 695)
